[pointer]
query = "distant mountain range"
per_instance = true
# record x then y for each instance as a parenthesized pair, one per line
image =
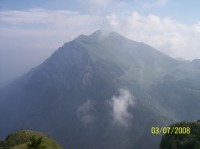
(102, 91)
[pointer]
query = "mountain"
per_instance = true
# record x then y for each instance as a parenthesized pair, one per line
(187, 136)
(102, 91)
(25, 139)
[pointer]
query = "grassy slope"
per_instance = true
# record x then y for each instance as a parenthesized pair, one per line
(20, 139)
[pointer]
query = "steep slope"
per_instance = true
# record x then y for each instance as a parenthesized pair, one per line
(135, 58)
(102, 91)
(24, 138)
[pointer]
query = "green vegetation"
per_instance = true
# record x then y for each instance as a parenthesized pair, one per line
(36, 143)
(26, 139)
(94, 68)
(182, 141)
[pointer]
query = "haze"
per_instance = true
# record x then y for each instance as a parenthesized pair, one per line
(30, 31)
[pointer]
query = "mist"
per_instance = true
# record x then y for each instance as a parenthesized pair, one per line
(15, 63)
(84, 112)
(29, 36)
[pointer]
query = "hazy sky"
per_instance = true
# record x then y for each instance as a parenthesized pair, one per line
(30, 30)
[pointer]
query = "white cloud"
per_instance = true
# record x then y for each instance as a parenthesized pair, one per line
(49, 29)
(112, 19)
(196, 27)
(169, 36)
(120, 105)
(36, 33)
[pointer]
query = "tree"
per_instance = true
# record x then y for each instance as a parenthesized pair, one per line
(36, 143)
(197, 145)
(174, 144)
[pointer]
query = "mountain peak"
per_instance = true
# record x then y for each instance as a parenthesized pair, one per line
(79, 87)
(100, 34)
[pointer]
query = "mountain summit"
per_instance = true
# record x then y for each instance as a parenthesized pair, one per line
(102, 91)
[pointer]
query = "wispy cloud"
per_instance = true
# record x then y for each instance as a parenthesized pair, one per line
(156, 3)
(98, 3)
(38, 32)
(50, 28)
(46, 29)
(104, 6)
(84, 112)
(120, 108)
(169, 36)
(52, 18)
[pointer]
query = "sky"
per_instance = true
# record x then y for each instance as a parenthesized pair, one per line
(31, 30)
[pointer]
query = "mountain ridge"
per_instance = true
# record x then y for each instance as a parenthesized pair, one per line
(74, 95)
